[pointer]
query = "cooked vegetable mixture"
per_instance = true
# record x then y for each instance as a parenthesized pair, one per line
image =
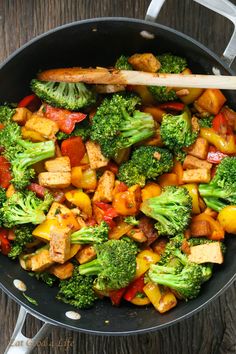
(119, 192)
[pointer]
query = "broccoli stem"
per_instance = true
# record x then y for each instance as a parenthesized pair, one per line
(90, 268)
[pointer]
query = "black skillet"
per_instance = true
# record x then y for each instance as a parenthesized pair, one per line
(98, 42)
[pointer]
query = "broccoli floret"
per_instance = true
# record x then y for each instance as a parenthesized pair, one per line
(23, 234)
(77, 291)
(22, 154)
(221, 191)
(116, 125)
(46, 277)
(131, 220)
(206, 122)
(172, 210)
(177, 272)
(176, 131)
(6, 113)
(115, 265)
(162, 93)
(169, 64)
(123, 64)
(3, 196)
(81, 129)
(72, 96)
(25, 207)
(91, 234)
(147, 162)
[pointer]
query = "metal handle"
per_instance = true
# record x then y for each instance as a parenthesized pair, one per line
(223, 7)
(19, 344)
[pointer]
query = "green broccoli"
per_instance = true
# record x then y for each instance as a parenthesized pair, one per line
(91, 234)
(177, 272)
(72, 96)
(6, 114)
(221, 191)
(23, 234)
(81, 129)
(25, 207)
(172, 210)
(131, 220)
(169, 64)
(3, 196)
(205, 122)
(147, 162)
(122, 63)
(77, 291)
(117, 125)
(46, 277)
(22, 154)
(176, 131)
(115, 265)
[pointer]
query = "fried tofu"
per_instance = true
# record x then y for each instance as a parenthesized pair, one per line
(105, 187)
(44, 126)
(60, 245)
(59, 164)
(87, 254)
(145, 62)
(192, 162)
(200, 175)
(96, 158)
(206, 253)
(54, 179)
(62, 271)
(41, 261)
(22, 115)
(199, 148)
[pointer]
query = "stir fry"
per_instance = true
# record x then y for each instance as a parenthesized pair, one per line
(119, 192)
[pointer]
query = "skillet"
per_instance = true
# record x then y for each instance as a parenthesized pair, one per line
(99, 42)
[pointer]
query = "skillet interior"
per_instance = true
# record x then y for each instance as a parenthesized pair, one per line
(98, 43)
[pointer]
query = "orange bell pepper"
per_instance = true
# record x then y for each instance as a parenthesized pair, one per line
(81, 200)
(140, 301)
(168, 179)
(156, 112)
(178, 170)
(128, 202)
(225, 144)
(217, 230)
(150, 190)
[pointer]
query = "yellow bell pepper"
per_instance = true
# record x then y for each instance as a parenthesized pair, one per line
(10, 191)
(226, 145)
(84, 178)
(167, 302)
(44, 230)
(143, 261)
(81, 200)
(153, 293)
(119, 230)
(140, 301)
(31, 135)
(193, 191)
(150, 190)
(64, 216)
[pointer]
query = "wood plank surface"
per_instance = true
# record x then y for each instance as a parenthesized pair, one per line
(213, 329)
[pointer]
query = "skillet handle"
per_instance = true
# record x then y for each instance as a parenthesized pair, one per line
(19, 344)
(223, 7)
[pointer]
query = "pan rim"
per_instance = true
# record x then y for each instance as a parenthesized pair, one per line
(30, 308)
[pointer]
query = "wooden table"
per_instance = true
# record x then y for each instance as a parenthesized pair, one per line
(213, 329)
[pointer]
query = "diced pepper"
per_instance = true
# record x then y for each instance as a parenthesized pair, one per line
(64, 216)
(10, 191)
(143, 261)
(178, 170)
(109, 213)
(32, 102)
(220, 124)
(193, 191)
(128, 202)
(167, 302)
(5, 174)
(32, 135)
(135, 287)
(225, 144)
(65, 119)
(43, 231)
(112, 166)
(116, 296)
(37, 189)
(153, 293)
(81, 200)
(156, 112)
(119, 230)
(168, 179)
(150, 190)
(217, 231)
(140, 301)
(73, 148)
(172, 106)
(5, 245)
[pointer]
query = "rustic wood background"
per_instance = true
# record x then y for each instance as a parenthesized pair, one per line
(213, 329)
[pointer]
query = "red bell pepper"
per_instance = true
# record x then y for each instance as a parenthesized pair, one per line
(73, 148)
(109, 213)
(112, 166)
(37, 189)
(135, 287)
(5, 173)
(175, 106)
(32, 102)
(5, 245)
(221, 125)
(116, 296)
(1, 126)
(215, 156)
(230, 116)
(65, 119)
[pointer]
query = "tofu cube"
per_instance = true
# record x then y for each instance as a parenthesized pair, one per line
(96, 158)
(44, 126)
(201, 175)
(105, 187)
(209, 252)
(145, 62)
(87, 254)
(41, 261)
(55, 179)
(199, 148)
(192, 162)
(60, 164)
(60, 245)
